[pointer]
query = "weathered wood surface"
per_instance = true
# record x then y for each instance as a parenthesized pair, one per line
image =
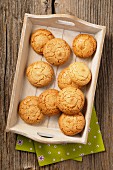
(11, 18)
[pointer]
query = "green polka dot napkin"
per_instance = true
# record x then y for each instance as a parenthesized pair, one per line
(25, 144)
(51, 153)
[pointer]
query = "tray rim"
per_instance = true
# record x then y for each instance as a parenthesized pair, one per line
(71, 17)
(56, 16)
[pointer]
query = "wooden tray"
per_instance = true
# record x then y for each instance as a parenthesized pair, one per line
(65, 27)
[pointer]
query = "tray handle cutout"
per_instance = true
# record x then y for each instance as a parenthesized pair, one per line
(62, 22)
(45, 135)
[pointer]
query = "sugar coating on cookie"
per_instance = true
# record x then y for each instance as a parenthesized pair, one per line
(39, 38)
(40, 74)
(64, 79)
(71, 124)
(80, 73)
(56, 51)
(84, 45)
(70, 100)
(47, 102)
(29, 110)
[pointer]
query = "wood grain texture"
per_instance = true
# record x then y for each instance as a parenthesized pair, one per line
(11, 19)
(98, 12)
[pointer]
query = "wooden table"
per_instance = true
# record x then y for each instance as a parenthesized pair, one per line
(11, 19)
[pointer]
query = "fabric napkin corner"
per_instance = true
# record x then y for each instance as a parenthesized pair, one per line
(52, 153)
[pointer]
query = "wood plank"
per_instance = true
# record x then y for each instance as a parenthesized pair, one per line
(11, 19)
(12, 14)
(98, 12)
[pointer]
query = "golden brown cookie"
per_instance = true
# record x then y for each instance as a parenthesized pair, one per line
(71, 124)
(39, 38)
(80, 73)
(29, 110)
(64, 79)
(84, 45)
(40, 74)
(70, 100)
(56, 51)
(47, 102)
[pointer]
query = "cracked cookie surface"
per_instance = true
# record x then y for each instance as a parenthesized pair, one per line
(47, 102)
(39, 38)
(40, 74)
(56, 51)
(84, 45)
(80, 73)
(64, 79)
(71, 124)
(29, 110)
(70, 100)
